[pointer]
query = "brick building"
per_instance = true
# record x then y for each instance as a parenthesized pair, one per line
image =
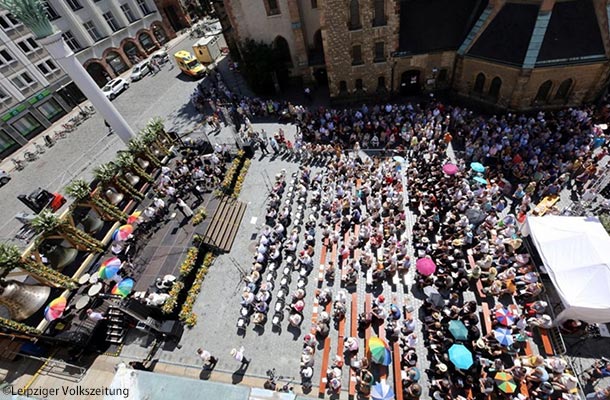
(515, 54)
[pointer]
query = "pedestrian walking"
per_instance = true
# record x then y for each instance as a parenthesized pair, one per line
(239, 355)
(207, 358)
(184, 208)
(262, 143)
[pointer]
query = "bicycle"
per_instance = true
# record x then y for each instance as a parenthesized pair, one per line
(39, 149)
(29, 156)
(61, 134)
(271, 382)
(19, 164)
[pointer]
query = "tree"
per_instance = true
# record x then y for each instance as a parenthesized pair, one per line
(80, 191)
(260, 62)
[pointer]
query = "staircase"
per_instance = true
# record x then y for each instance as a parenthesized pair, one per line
(225, 223)
(116, 331)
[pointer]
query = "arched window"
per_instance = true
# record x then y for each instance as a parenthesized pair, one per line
(354, 14)
(543, 92)
(342, 87)
(379, 13)
(563, 92)
(147, 42)
(479, 83)
(282, 50)
(359, 85)
(494, 88)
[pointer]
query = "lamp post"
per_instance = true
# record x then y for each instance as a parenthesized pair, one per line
(33, 15)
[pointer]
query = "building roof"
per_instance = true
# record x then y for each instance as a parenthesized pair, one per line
(573, 33)
(507, 37)
(430, 25)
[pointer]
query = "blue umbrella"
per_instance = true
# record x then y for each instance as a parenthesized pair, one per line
(382, 391)
(460, 356)
(458, 330)
(480, 179)
(504, 336)
(398, 159)
(477, 167)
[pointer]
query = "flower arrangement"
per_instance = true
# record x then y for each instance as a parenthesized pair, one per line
(186, 313)
(172, 301)
(18, 327)
(200, 215)
(197, 239)
(240, 179)
(189, 262)
(227, 182)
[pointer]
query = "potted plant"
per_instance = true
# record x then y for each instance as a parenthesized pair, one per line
(108, 175)
(152, 139)
(127, 162)
(80, 191)
(46, 224)
(139, 148)
(11, 258)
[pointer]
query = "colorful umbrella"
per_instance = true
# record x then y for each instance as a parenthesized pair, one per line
(122, 232)
(55, 309)
(504, 382)
(450, 169)
(504, 336)
(477, 167)
(460, 356)
(398, 159)
(458, 330)
(123, 288)
(109, 268)
(480, 180)
(379, 351)
(505, 317)
(382, 391)
(437, 300)
(133, 218)
(425, 266)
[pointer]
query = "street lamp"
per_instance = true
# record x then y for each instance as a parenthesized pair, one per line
(33, 15)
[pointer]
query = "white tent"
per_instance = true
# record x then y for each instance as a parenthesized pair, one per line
(576, 254)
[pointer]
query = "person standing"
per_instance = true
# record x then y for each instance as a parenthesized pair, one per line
(184, 208)
(239, 355)
(207, 358)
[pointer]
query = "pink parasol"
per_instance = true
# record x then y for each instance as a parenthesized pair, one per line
(425, 266)
(450, 169)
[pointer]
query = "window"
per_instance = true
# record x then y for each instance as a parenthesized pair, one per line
(23, 80)
(3, 95)
(379, 52)
(50, 11)
(128, 14)
(357, 55)
(28, 45)
(92, 30)
(6, 141)
(359, 85)
(314, 3)
(342, 87)
(26, 124)
(50, 109)
(354, 15)
(111, 21)
(543, 92)
(442, 75)
(494, 88)
(479, 83)
(379, 13)
(74, 4)
(47, 67)
(8, 22)
(563, 92)
(71, 41)
(381, 84)
(272, 7)
(144, 7)
(5, 57)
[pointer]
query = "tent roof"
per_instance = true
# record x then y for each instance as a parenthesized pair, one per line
(576, 253)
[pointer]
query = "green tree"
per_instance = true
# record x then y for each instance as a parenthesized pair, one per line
(260, 62)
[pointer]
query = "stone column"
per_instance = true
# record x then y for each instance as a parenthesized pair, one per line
(300, 49)
(67, 60)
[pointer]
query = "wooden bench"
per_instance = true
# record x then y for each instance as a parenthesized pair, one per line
(486, 322)
(325, 357)
(480, 289)
(397, 371)
(368, 305)
(344, 260)
(353, 333)
(546, 342)
(322, 261)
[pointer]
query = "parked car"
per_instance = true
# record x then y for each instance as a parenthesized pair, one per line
(115, 87)
(4, 177)
(160, 56)
(139, 71)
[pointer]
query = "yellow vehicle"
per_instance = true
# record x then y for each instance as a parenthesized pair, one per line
(189, 64)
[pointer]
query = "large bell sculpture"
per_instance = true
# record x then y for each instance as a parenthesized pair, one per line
(114, 197)
(59, 256)
(132, 179)
(157, 152)
(142, 163)
(22, 300)
(92, 223)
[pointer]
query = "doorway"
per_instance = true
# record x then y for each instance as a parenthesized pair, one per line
(410, 84)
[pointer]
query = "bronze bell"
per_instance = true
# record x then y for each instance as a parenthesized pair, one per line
(132, 179)
(22, 300)
(59, 256)
(92, 222)
(114, 197)
(142, 163)
(157, 152)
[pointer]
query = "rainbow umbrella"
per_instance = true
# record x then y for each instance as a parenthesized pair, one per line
(504, 336)
(379, 351)
(477, 167)
(133, 218)
(505, 317)
(425, 266)
(450, 169)
(55, 309)
(504, 382)
(123, 288)
(122, 232)
(109, 268)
